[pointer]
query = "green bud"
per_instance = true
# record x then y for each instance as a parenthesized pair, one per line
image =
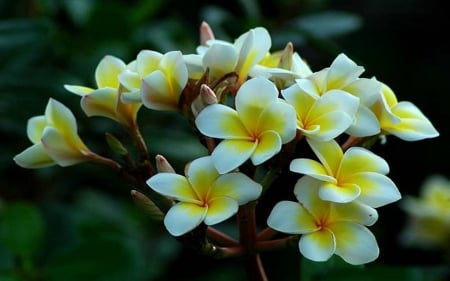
(116, 145)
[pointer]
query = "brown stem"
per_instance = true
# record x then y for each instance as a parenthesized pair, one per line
(266, 234)
(220, 237)
(271, 245)
(247, 232)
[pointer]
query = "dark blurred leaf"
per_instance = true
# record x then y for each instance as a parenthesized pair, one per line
(20, 32)
(336, 269)
(328, 23)
(21, 229)
(98, 259)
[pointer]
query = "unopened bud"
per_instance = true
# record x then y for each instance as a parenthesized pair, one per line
(206, 33)
(162, 165)
(116, 145)
(147, 205)
(205, 98)
(286, 56)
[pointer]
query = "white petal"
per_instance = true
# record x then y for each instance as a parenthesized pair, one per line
(260, 89)
(230, 154)
(269, 144)
(367, 90)
(354, 212)
(173, 185)
(101, 102)
(299, 66)
(311, 168)
(358, 159)
(376, 190)
(342, 72)
(64, 151)
(147, 61)
(78, 90)
(414, 124)
(184, 217)
(220, 209)
(130, 80)
(34, 157)
(156, 93)
(220, 59)
(355, 243)
(329, 153)
(365, 123)
(175, 69)
(318, 246)
(339, 193)
(281, 118)
(291, 217)
(59, 116)
(237, 186)
(222, 122)
(107, 72)
(202, 174)
(35, 127)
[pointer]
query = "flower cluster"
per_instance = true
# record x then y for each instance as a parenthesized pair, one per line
(252, 108)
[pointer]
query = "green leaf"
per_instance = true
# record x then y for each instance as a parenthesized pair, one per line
(21, 229)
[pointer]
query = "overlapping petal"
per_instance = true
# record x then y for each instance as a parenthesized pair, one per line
(339, 193)
(355, 243)
(318, 246)
(107, 72)
(311, 168)
(291, 217)
(231, 153)
(278, 117)
(34, 157)
(220, 209)
(237, 186)
(376, 190)
(204, 195)
(220, 121)
(184, 217)
(173, 185)
(358, 159)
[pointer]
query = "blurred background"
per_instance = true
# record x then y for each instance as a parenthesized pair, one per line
(79, 223)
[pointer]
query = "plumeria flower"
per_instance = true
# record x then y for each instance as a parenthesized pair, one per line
(325, 117)
(357, 174)
(157, 80)
(203, 195)
(343, 74)
(106, 99)
(222, 57)
(55, 140)
(428, 215)
(256, 130)
(327, 228)
(402, 119)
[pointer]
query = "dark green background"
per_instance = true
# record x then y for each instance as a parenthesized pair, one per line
(79, 223)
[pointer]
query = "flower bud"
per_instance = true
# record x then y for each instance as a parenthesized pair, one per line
(162, 165)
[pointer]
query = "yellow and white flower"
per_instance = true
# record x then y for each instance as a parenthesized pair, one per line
(402, 119)
(157, 80)
(203, 195)
(343, 74)
(327, 228)
(257, 128)
(55, 140)
(106, 100)
(325, 117)
(358, 174)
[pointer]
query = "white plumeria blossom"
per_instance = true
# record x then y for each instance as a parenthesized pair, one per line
(327, 228)
(156, 80)
(203, 195)
(325, 117)
(257, 128)
(357, 174)
(106, 99)
(343, 74)
(402, 119)
(222, 57)
(55, 139)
